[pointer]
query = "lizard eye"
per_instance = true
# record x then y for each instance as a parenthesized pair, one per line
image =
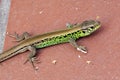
(92, 27)
(83, 32)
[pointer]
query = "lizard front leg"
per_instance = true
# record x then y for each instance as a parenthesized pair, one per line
(79, 48)
(69, 26)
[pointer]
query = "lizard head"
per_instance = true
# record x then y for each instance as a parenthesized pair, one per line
(89, 26)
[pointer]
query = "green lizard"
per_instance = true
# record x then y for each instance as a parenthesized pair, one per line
(70, 34)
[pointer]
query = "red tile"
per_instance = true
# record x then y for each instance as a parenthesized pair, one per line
(41, 16)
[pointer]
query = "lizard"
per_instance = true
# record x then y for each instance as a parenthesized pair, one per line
(69, 35)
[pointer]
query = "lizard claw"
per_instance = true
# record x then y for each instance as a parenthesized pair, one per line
(82, 49)
(13, 35)
(32, 61)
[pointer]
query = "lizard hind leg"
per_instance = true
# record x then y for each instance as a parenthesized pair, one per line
(18, 37)
(31, 58)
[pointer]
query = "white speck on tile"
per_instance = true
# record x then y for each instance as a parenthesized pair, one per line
(40, 12)
(76, 8)
(97, 17)
(88, 62)
(79, 56)
(54, 61)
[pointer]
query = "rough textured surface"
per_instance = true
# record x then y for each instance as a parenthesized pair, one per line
(41, 16)
(4, 10)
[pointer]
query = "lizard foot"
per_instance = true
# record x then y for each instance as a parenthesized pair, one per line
(32, 61)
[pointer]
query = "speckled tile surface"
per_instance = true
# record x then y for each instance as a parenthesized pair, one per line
(41, 16)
